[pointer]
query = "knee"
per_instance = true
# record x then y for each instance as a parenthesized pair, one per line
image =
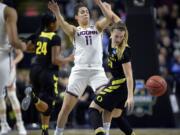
(68, 104)
(48, 111)
(116, 113)
(12, 96)
(14, 100)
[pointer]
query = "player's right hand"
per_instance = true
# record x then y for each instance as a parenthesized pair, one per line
(23, 46)
(107, 5)
(30, 47)
(53, 6)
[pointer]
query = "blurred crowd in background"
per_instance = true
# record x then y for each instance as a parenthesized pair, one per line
(167, 19)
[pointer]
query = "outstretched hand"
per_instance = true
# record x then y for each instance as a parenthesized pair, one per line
(98, 2)
(53, 6)
(107, 5)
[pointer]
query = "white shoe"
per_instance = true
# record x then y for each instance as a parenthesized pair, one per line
(21, 128)
(5, 128)
(27, 99)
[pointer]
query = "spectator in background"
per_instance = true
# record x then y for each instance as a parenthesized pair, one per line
(175, 68)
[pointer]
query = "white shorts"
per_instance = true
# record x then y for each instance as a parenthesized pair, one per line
(4, 72)
(80, 79)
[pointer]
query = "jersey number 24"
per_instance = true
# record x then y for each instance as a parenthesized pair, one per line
(41, 48)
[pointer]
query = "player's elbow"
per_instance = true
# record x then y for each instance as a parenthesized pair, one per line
(54, 61)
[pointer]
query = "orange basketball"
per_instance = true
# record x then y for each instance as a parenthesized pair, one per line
(156, 85)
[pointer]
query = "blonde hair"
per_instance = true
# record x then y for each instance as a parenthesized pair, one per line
(121, 47)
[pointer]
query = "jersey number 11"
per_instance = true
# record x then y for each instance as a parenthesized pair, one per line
(88, 40)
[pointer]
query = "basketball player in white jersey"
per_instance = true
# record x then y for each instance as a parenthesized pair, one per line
(88, 68)
(8, 39)
(11, 93)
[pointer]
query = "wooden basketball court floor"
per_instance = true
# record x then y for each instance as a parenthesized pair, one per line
(113, 132)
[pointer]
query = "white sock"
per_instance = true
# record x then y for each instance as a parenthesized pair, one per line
(59, 131)
(19, 117)
(106, 127)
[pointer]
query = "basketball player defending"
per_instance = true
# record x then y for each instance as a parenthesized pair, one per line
(88, 68)
(8, 39)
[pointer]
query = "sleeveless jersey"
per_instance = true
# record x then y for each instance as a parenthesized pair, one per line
(88, 48)
(4, 42)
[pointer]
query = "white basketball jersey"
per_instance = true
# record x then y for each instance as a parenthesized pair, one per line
(88, 47)
(4, 42)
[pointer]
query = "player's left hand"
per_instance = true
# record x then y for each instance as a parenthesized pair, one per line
(53, 6)
(130, 104)
(98, 2)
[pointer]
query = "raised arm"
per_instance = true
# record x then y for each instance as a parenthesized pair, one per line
(65, 26)
(103, 23)
(115, 18)
(11, 28)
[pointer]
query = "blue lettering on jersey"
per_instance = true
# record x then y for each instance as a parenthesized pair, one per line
(87, 33)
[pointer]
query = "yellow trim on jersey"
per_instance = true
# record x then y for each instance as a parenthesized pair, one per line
(55, 78)
(120, 81)
(48, 35)
(114, 87)
(102, 93)
(108, 90)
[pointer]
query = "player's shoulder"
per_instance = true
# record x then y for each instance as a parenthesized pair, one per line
(127, 51)
(9, 12)
(56, 37)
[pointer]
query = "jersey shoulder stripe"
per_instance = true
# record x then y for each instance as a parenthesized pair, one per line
(48, 35)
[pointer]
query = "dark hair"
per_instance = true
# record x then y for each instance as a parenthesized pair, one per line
(47, 18)
(78, 6)
(119, 25)
(9, 3)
